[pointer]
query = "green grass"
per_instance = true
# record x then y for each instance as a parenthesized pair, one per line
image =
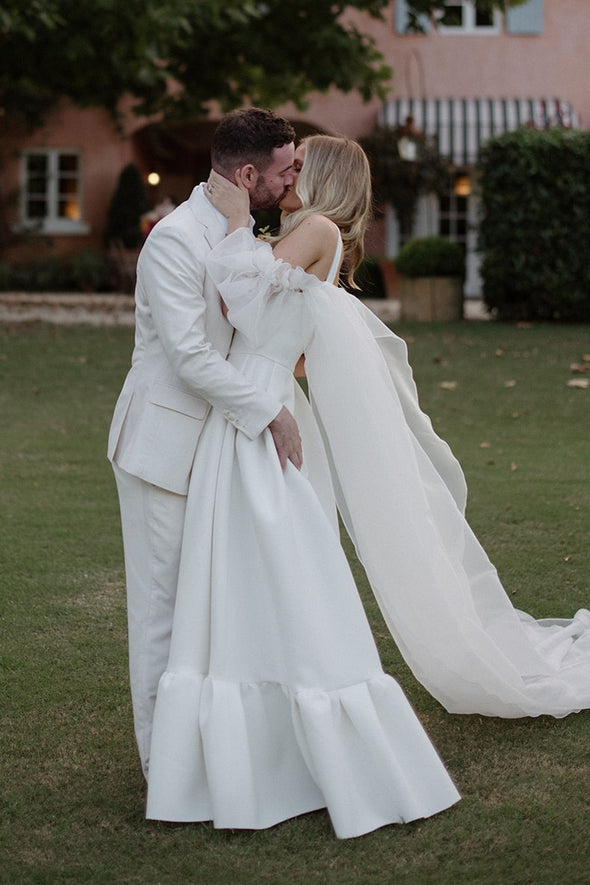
(71, 791)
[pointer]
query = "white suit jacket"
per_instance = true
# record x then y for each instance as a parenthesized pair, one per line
(178, 366)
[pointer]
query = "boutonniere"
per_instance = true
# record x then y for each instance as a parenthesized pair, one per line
(264, 233)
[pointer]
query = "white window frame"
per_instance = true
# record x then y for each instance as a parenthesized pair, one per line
(469, 26)
(52, 223)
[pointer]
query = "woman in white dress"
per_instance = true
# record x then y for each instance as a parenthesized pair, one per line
(402, 495)
(274, 702)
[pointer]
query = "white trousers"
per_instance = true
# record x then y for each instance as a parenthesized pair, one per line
(152, 521)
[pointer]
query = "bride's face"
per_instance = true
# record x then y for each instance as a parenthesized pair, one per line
(291, 202)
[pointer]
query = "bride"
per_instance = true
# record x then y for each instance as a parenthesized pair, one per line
(274, 701)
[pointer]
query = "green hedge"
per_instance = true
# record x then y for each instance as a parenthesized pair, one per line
(535, 228)
(431, 257)
(84, 271)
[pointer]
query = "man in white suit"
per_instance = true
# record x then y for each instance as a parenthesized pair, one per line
(178, 373)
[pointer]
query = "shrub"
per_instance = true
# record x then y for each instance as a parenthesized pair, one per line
(128, 204)
(88, 271)
(431, 257)
(369, 279)
(42, 275)
(535, 227)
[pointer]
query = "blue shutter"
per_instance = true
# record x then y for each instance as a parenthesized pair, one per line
(525, 19)
(402, 18)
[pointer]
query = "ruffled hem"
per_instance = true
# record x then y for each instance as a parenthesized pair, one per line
(248, 756)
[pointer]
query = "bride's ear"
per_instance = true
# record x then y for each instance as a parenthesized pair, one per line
(247, 176)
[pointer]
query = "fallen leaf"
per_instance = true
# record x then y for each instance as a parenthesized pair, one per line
(513, 467)
(510, 384)
(582, 383)
(485, 445)
(515, 415)
(586, 357)
(448, 385)
(580, 368)
(499, 352)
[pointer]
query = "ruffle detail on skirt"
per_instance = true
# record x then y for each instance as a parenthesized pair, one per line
(247, 756)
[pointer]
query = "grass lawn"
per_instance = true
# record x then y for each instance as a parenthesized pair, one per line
(71, 790)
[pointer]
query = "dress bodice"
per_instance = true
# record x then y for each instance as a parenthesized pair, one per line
(273, 339)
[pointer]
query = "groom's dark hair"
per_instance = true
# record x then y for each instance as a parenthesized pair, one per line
(248, 135)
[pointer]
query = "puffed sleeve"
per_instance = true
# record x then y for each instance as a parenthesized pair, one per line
(254, 284)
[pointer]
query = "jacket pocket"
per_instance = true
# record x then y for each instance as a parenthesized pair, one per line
(178, 400)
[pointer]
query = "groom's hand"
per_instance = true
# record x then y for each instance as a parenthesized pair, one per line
(285, 434)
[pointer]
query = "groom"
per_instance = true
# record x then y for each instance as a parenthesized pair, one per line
(178, 373)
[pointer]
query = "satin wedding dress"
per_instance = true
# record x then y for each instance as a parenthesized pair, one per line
(274, 702)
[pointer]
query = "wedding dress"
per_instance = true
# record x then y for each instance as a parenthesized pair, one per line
(402, 495)
(274, 702)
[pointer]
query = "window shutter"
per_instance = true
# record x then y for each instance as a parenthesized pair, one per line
(402, 18)
(525, 19)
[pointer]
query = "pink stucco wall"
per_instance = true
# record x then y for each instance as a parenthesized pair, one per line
(555, 63)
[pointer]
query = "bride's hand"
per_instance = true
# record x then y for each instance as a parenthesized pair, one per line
(232, 200)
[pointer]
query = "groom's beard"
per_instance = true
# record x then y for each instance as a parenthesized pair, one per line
(263, 198)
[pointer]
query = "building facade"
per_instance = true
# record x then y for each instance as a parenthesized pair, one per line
(469, 75)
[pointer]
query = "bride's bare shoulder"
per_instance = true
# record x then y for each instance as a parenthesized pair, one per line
(317, 228)
(321, 223)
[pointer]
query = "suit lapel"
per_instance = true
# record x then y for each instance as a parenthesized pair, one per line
(211, 222)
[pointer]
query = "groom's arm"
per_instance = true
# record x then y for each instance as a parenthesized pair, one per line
(171, 277)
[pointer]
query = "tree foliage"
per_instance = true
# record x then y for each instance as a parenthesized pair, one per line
(94, 51)
(400, 182)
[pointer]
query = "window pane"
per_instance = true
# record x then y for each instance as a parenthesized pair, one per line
(68, 186)
(69, 209)
(68, 163)
(453, 15)
(36, 185)
(36, 208)
(484, 18)
(37, 163)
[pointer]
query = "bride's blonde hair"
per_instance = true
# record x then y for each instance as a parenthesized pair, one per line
(335, 181)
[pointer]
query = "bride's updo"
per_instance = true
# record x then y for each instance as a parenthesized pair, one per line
(335, 181)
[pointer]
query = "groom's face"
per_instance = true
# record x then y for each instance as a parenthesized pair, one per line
(272, 184)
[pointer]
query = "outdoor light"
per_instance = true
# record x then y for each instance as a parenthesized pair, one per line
(407, 144)
(153, 179)
(462, 185)
(408, 149)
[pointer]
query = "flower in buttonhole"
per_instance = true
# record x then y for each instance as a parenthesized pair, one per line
(264, 233)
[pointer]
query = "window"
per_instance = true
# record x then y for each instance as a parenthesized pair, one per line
(453, 210)
(468, 17)
(51, 198)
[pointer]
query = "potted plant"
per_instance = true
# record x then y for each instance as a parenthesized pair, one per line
(432, 271)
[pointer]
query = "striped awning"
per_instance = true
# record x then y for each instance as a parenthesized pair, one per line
(463, 124)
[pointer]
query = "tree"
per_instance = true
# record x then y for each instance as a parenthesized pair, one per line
(129, 202)
(94, 51)
(400, 180)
